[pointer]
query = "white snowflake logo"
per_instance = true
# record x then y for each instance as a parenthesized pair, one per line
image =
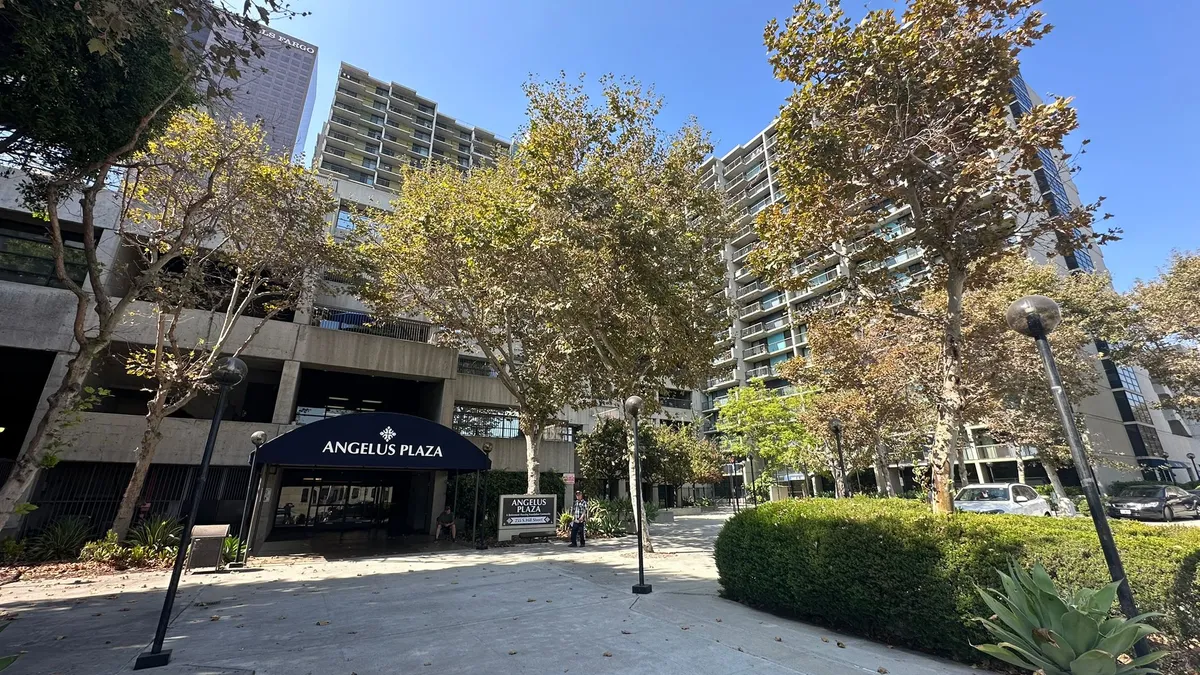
(387, 434)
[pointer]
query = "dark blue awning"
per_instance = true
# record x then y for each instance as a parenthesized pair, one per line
(374, 440)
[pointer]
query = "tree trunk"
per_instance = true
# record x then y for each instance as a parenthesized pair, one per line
(1052, 474)
(47, 435)
(1020, 467)
(883, 476)
(635, 489)
(805, 486)
(950, 400)
(960, 457)
(141, 467)
(533, 467)
(839, 481)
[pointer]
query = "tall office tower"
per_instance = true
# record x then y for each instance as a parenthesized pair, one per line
(768, 326)
(375, 127)
(279, 89)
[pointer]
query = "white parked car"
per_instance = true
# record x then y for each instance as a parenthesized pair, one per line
(1002, 498)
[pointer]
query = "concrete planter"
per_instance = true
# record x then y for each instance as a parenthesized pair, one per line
(684, 511)
(664, 517)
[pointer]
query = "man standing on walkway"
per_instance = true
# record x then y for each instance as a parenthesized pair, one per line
(578, 519)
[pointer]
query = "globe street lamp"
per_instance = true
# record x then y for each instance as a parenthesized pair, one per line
(633, 407)
(1037, 316)
(835, 425)
(257, 438)
(228, 373)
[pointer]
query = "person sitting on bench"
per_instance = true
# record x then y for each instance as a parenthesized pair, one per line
(446, 522)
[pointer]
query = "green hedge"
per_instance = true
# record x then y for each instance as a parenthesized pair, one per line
(892, 571)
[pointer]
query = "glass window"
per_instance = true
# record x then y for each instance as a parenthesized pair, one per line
(990, 494)
(1129, 378)
(1153, 444)
(1140, 491)
(28, 258)
(486, 422)
(345, 221)
(1141, 411)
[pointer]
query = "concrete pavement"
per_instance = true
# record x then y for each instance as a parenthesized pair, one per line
(530, 609)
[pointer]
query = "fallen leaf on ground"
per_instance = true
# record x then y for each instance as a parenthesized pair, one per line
(778, 639)
(683, 627)
(61, 637)
(512, 652)
(718, 621)
(882, 671)
(531, 600)
(322, 623)
(608, 653)
(625, 632)
(214, 618)
(841, 645)
(824, 639)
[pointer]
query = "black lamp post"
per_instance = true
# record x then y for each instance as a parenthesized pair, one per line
(835, 425)
(480, 541)
(1195, 472)
(633, 407)
(257, 438)
(1037, 316)
(227, 374)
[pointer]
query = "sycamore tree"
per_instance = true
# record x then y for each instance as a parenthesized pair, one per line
(468, 251)
(263, 255)
(912, 110)
(632, 239)
(84, 86)
(685, 456)
(1165, 335)
(762, 422)
(865, 370)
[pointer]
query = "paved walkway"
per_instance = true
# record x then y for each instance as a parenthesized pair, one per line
(532, 609)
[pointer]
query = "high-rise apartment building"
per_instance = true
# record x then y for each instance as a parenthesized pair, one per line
(278, 88)
(768, 326)
(376, 127)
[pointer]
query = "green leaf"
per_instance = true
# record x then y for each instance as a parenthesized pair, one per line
(1095, 662)
(97, 46)
(1120, 641)
(996, 651)
(1080, 631)
(1035, 658)
(1102, 600)
(6, 661)
(24, 509)
(1010, 618)
(1058, 649)
(1146, 660)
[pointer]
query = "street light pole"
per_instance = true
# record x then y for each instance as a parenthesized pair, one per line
(1037, 316)
(1195, 471)
(480, 541)
(227, 374)
(633, 406)
(257, 438)
(835, 425)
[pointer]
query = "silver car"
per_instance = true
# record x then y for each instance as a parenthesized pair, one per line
(1002, 498)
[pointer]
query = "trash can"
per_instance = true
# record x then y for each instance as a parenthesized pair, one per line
(208, 541)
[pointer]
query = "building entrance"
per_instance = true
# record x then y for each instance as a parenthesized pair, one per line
(352, 504)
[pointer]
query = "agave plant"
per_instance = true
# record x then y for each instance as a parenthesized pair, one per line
(1045, 632)
(62, 539)
(157, 534)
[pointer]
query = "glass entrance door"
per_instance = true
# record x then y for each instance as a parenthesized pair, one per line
(313, 501)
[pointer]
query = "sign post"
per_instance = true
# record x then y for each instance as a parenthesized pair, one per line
(526, 513)
(568, 490)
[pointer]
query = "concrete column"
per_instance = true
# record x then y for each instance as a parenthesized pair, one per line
(58, 370)
(289, 389)
(896, 479)
(984, 471)
(446, 416)
(272, 479)
(439, 500)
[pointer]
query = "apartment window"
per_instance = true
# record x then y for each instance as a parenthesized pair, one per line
(382, 91)
(345, 220)
(472, 365)
(421, 135)
(420, 150)
(464, 147)
(421, 121)
(562, 433)
(1152, 442)
(377, 119)
(378, 105)
(486, 422)
(753, 170)
(369, 163)
(1129, 378)
(1137, 404)
(464, 162)
(387, 167)
(428, 110)
(1083, 260)
(26, 257)
(374, 134)
(342, 120)
(383, 182)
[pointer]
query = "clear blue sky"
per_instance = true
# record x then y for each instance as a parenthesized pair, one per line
(1130, 67)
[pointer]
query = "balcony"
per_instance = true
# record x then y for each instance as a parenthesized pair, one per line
(715, 402)
(724, 357)
(723, 335)
(761, 371)
(723, 378)
(470, 365)
(818, 304)
(336, 318)
(761, 307)
(751, 352)
(904, 255)
(753, 288)
(1001, 451)
(744, 251)
(669, 402)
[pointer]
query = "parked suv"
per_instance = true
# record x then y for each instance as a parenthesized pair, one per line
(1160, 502)
(1002, 498)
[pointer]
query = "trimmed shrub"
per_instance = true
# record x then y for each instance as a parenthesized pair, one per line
(157, 534)
(891, 570)
(61, 540)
